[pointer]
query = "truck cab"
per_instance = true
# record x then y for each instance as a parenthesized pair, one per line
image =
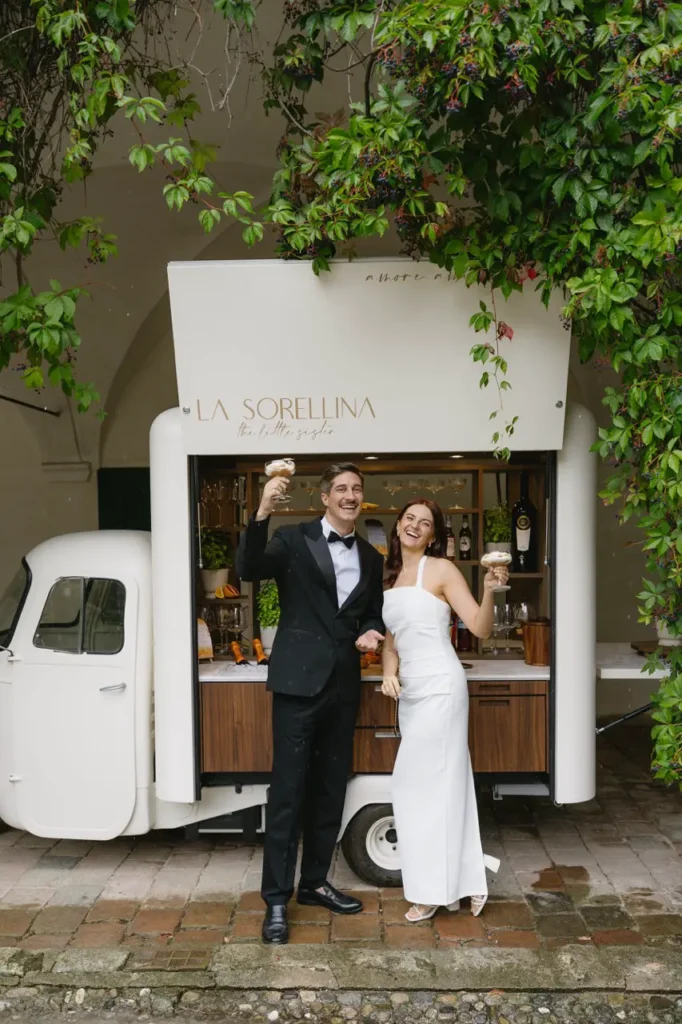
(76, 686)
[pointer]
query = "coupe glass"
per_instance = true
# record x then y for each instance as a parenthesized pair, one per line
(393, 486)
(286, 473)
(309, 486)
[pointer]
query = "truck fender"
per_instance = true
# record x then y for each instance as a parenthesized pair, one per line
(363, 790)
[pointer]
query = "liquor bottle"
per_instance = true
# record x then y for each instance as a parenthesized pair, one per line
(465, 540)
(450, 546)
(261, 656)
(524, 532)
(464, 638)
(238, 654)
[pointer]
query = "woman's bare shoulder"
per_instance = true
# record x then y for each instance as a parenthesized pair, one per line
(444, 569)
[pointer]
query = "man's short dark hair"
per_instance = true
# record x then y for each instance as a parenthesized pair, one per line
(336, 469)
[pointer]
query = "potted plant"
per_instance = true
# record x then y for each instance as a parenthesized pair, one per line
(665, 637)
(267, 608)
(497, 528)
(216, 558)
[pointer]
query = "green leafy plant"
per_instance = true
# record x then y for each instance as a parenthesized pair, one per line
(517, 144)
(216, 550)
(267, 605)
(67, 69)
(497, 527)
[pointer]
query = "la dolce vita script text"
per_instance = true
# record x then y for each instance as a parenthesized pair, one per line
(292, 409)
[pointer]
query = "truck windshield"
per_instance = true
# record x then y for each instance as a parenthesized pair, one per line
(11, 602)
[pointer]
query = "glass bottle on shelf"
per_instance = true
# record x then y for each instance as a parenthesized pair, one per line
(465, 540)
(450, 545)
(464, 638)
(524, 531)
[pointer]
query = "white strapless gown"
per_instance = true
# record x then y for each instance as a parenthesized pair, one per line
(434, 801)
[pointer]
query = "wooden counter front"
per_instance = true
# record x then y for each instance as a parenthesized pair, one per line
(507, 727)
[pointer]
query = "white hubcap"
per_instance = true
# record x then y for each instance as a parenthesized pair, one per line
(382, 844)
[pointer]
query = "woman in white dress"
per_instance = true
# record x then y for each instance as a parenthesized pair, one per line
(434, 801)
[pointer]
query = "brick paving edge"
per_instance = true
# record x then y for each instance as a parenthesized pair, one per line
(247, 968)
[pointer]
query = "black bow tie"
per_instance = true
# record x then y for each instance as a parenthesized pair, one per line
(334, 537)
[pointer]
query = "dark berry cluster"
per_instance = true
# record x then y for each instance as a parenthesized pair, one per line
(369, 159)
(449, 70)
(515, 51)
(472, 70)
(390, 187)
(300, 72)
(516, 89)
(666, 76)
(389, 59)
(453, 105)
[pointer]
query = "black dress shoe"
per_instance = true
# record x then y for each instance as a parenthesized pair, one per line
(275, 929)
(329, 897)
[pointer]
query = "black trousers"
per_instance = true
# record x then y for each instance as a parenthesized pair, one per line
(313, 751)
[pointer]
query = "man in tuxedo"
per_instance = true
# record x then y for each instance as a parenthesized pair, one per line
(330, 584)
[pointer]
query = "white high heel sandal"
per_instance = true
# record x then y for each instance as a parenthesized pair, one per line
(478, 902)
(426, 913)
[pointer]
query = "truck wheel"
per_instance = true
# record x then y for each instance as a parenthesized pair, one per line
(370, 845)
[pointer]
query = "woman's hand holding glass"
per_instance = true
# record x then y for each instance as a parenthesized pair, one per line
(496, 577)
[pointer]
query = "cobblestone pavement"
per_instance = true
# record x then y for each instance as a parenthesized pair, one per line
(397, 1008)
(605, 873)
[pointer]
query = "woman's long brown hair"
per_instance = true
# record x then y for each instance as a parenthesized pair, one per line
(437, 548)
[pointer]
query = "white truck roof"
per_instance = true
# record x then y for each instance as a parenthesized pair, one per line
(96, 553)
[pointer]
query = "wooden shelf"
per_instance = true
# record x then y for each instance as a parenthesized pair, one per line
(526, 575)
(222, 600)
(368, 512)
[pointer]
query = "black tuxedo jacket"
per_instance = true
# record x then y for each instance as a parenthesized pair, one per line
(315, 638)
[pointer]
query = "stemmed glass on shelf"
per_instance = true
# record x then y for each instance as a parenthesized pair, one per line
(309, 486)
(393, 486)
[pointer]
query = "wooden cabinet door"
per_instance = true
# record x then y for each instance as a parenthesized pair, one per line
(508, 734)
(376, 710)
(236, 727)
(374, 750)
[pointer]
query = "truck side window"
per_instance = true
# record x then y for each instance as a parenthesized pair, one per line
(83, 616)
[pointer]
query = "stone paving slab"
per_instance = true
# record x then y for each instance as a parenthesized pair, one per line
(311, 968)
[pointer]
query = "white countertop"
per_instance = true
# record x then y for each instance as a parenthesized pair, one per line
(488, 670)
(619, 661)
(614, 661)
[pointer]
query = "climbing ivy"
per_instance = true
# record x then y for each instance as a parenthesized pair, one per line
(518, 145)
(67, 68)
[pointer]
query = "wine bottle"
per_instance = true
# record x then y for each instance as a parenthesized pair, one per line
(465, 540)
(450, 546)
(524, 532)
(464, 638)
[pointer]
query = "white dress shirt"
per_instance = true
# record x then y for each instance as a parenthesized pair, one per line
(346, 564)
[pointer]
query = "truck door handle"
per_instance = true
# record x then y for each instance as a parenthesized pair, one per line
(114, 686)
